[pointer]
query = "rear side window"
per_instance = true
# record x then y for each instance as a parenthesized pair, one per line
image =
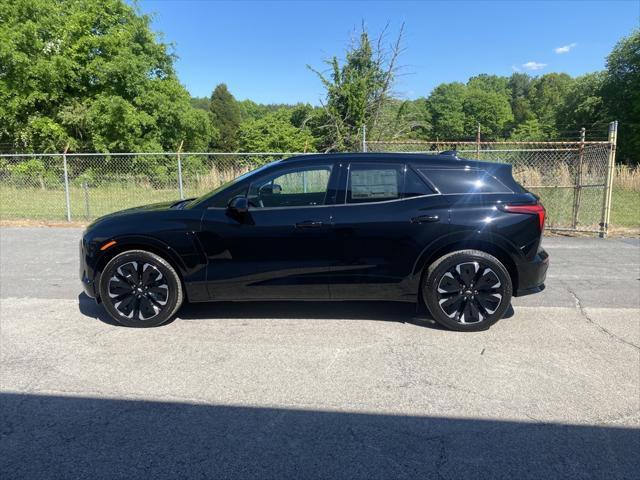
(374, 183)
(464, 181)
(414, 186)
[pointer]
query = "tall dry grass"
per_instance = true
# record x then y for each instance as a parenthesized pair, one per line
(627, 177)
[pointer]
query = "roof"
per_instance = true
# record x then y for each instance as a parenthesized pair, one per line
(448, 159)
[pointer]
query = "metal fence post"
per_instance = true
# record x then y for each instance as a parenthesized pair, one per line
(180, 190)
(66, 182)
(606, 203)
(577, 190)
(87, 212)
(364, 138)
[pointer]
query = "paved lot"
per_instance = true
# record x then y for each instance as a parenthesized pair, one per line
(313, 390)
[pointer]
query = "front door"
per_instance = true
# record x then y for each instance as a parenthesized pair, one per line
(281, 248)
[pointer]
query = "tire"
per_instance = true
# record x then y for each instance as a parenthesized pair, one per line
(467, 290)
(140, 289)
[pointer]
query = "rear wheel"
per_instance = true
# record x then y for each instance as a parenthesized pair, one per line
(467, 290)
(140, 289)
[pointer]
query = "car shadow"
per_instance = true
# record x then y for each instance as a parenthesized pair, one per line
(62, 436)
(300, 310)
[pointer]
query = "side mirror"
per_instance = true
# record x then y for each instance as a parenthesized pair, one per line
(239, 205)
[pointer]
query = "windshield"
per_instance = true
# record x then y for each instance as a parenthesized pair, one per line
(228, 184)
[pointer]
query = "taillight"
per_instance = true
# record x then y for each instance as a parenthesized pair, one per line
(537, 209)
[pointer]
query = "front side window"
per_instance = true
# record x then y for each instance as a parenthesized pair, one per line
(305, 186)
(374, 183)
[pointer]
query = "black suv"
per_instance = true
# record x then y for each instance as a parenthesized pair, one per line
(457, 235)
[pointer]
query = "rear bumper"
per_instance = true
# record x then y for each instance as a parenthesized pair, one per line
(531, 275)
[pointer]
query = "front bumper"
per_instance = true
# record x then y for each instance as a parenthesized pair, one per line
(86, 273)
(531, 275)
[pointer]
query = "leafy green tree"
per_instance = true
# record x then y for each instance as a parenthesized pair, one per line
(582, 106)
(201, 103)
(490, 83)
(90, 74)
(225, 116)
(621, 94)
(274, 133)
(529, 130)
(546, 95)
(446, 108)
(489, 108)
(519, 89)
(356, 91)
(403, 119)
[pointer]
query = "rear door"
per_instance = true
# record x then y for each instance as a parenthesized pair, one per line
(387, 216)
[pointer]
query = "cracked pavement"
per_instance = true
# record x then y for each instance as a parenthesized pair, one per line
(320, 390)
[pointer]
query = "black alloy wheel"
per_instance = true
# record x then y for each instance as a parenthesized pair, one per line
(467, 290)
(140, 289)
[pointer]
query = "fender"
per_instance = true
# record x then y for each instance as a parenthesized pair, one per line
(184, 254)
(508, 252)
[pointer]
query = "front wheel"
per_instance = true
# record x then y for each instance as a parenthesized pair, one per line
(140, 289)
(467, 290)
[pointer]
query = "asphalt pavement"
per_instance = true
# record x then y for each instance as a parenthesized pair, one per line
(319, 390)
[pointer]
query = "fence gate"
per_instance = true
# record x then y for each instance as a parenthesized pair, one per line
(573, 179)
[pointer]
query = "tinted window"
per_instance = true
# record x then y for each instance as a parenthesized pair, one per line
(305, 186)
(223, 200)
(464, 181)
(373, 183)
(414, 186)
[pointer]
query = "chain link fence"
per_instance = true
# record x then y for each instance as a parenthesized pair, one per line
(573, 179)
(81, 187)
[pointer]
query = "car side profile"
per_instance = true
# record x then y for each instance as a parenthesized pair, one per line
(459, 236)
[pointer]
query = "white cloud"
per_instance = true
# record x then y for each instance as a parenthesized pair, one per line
(533, 66)
(565, 48)
(514, 68)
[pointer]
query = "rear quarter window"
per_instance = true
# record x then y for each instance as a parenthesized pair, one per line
(460, 180)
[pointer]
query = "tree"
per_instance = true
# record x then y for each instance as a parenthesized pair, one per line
(274, 133)
(490, 83)
(486, 103)
(446, 108)
(582, 106)
(408, 119)
(225, 116)
(530, 130)
(621, 94)
(546, 95)
(519, 88)
(357, 90)
(91, 74)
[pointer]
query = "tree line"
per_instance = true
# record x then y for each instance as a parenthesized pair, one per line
(91, 76)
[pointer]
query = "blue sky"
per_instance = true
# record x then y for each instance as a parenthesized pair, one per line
(261, 49)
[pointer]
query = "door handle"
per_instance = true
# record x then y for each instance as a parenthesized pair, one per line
(309, 224)
(425, 219)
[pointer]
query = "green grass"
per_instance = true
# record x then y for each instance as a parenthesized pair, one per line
(40, 204)
(626, 208)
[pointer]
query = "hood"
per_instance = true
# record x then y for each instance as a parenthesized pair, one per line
(153, 207)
